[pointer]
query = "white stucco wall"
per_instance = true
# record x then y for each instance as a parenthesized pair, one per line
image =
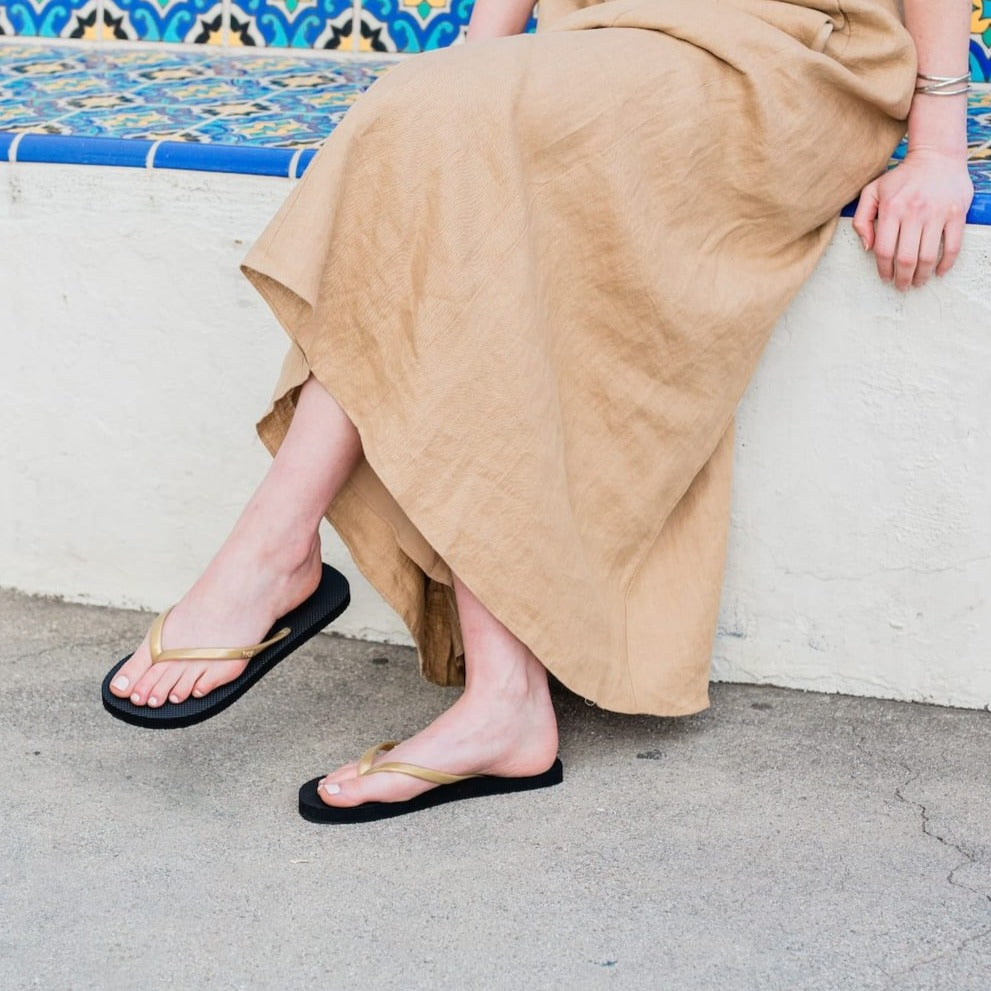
(134, 360)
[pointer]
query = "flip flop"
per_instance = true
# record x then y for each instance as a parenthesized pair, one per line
(451, 788)
(293, 630)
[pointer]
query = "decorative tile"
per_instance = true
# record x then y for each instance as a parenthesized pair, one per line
(411, 25)
(187, 93)
(48, 18)
(292, 23)
(130, 120)
(273, 130)
(194, 107)
(191, 21)
(980, 42)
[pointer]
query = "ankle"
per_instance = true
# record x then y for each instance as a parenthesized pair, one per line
(514, 683)
(286, 551)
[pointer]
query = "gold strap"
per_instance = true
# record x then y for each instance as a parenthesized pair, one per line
(365, 766)
(203, 653)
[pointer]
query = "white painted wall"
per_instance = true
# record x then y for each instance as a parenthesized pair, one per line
(134, 360)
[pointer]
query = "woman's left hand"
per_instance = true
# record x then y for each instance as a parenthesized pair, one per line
(913, 216)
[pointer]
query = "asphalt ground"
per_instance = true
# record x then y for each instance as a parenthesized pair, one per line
(780, 840)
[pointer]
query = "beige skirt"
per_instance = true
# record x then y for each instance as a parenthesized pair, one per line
(537, 273)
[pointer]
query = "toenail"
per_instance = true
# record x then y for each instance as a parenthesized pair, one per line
(174, 699)
(153, 701)
(136, 699)
(121, 683)
(330, 789)
(197, 694)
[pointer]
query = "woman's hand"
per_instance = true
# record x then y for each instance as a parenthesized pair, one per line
(913, 216)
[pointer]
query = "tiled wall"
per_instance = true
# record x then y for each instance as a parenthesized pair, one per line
(349, 25)
(980, 42)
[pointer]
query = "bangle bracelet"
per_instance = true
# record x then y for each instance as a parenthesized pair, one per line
(942, 85)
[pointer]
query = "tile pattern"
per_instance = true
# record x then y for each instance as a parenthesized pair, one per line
(50, 18)
(366, 26)
(196, 108)
(292, 23)
(412, 25)
(980, 42)
(380, 25)
(183, 94)
(190, 21)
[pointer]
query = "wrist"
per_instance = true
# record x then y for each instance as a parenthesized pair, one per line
(939, 124)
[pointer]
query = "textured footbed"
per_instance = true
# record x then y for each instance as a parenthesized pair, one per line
(312, 808)
(327, 603)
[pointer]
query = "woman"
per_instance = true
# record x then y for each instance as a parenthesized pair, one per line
(526, 282)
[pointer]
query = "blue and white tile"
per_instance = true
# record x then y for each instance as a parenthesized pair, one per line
(45, 19)
(292, 23)
(177, 21)
(412, 25)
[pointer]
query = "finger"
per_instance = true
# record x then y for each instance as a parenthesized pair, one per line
(885, 244)
(952, 239)
(864, 215)
(907, 253)
(929, 242)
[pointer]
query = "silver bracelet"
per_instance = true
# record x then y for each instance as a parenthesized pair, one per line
(943, 85)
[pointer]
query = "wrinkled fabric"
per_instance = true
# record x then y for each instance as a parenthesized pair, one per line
(537, 273)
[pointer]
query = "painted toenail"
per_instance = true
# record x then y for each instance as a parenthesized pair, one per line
(174, 699)
(153, 701)
(330, 789)
(121, 683)
(136, 699)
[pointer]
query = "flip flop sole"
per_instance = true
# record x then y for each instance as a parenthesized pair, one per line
(324, 606)
(313, 809)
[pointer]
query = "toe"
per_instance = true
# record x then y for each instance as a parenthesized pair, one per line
(131, 672)
(141, 690)
(214, 674)
(168, 678)
(183, 688)
(344, 773)
(345, 793)
(352, 791)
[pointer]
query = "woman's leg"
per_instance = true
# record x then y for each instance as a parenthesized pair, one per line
(503, 723)
(269, 563)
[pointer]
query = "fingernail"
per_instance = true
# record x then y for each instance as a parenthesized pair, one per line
(136, 699)
(330, 789)
(121, 683)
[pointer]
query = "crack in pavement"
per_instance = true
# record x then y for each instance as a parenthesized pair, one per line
(968, 858)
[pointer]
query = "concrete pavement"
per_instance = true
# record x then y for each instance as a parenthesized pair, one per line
(780, 840)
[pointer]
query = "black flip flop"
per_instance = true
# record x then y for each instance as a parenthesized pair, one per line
(450, 788)
(327, 603)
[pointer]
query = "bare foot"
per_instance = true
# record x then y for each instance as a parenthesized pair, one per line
(509, 732)
(244, 590)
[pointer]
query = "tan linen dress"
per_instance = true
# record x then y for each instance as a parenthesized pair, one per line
(537, 273)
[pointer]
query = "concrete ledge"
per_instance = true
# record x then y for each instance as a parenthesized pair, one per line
(135, 359)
